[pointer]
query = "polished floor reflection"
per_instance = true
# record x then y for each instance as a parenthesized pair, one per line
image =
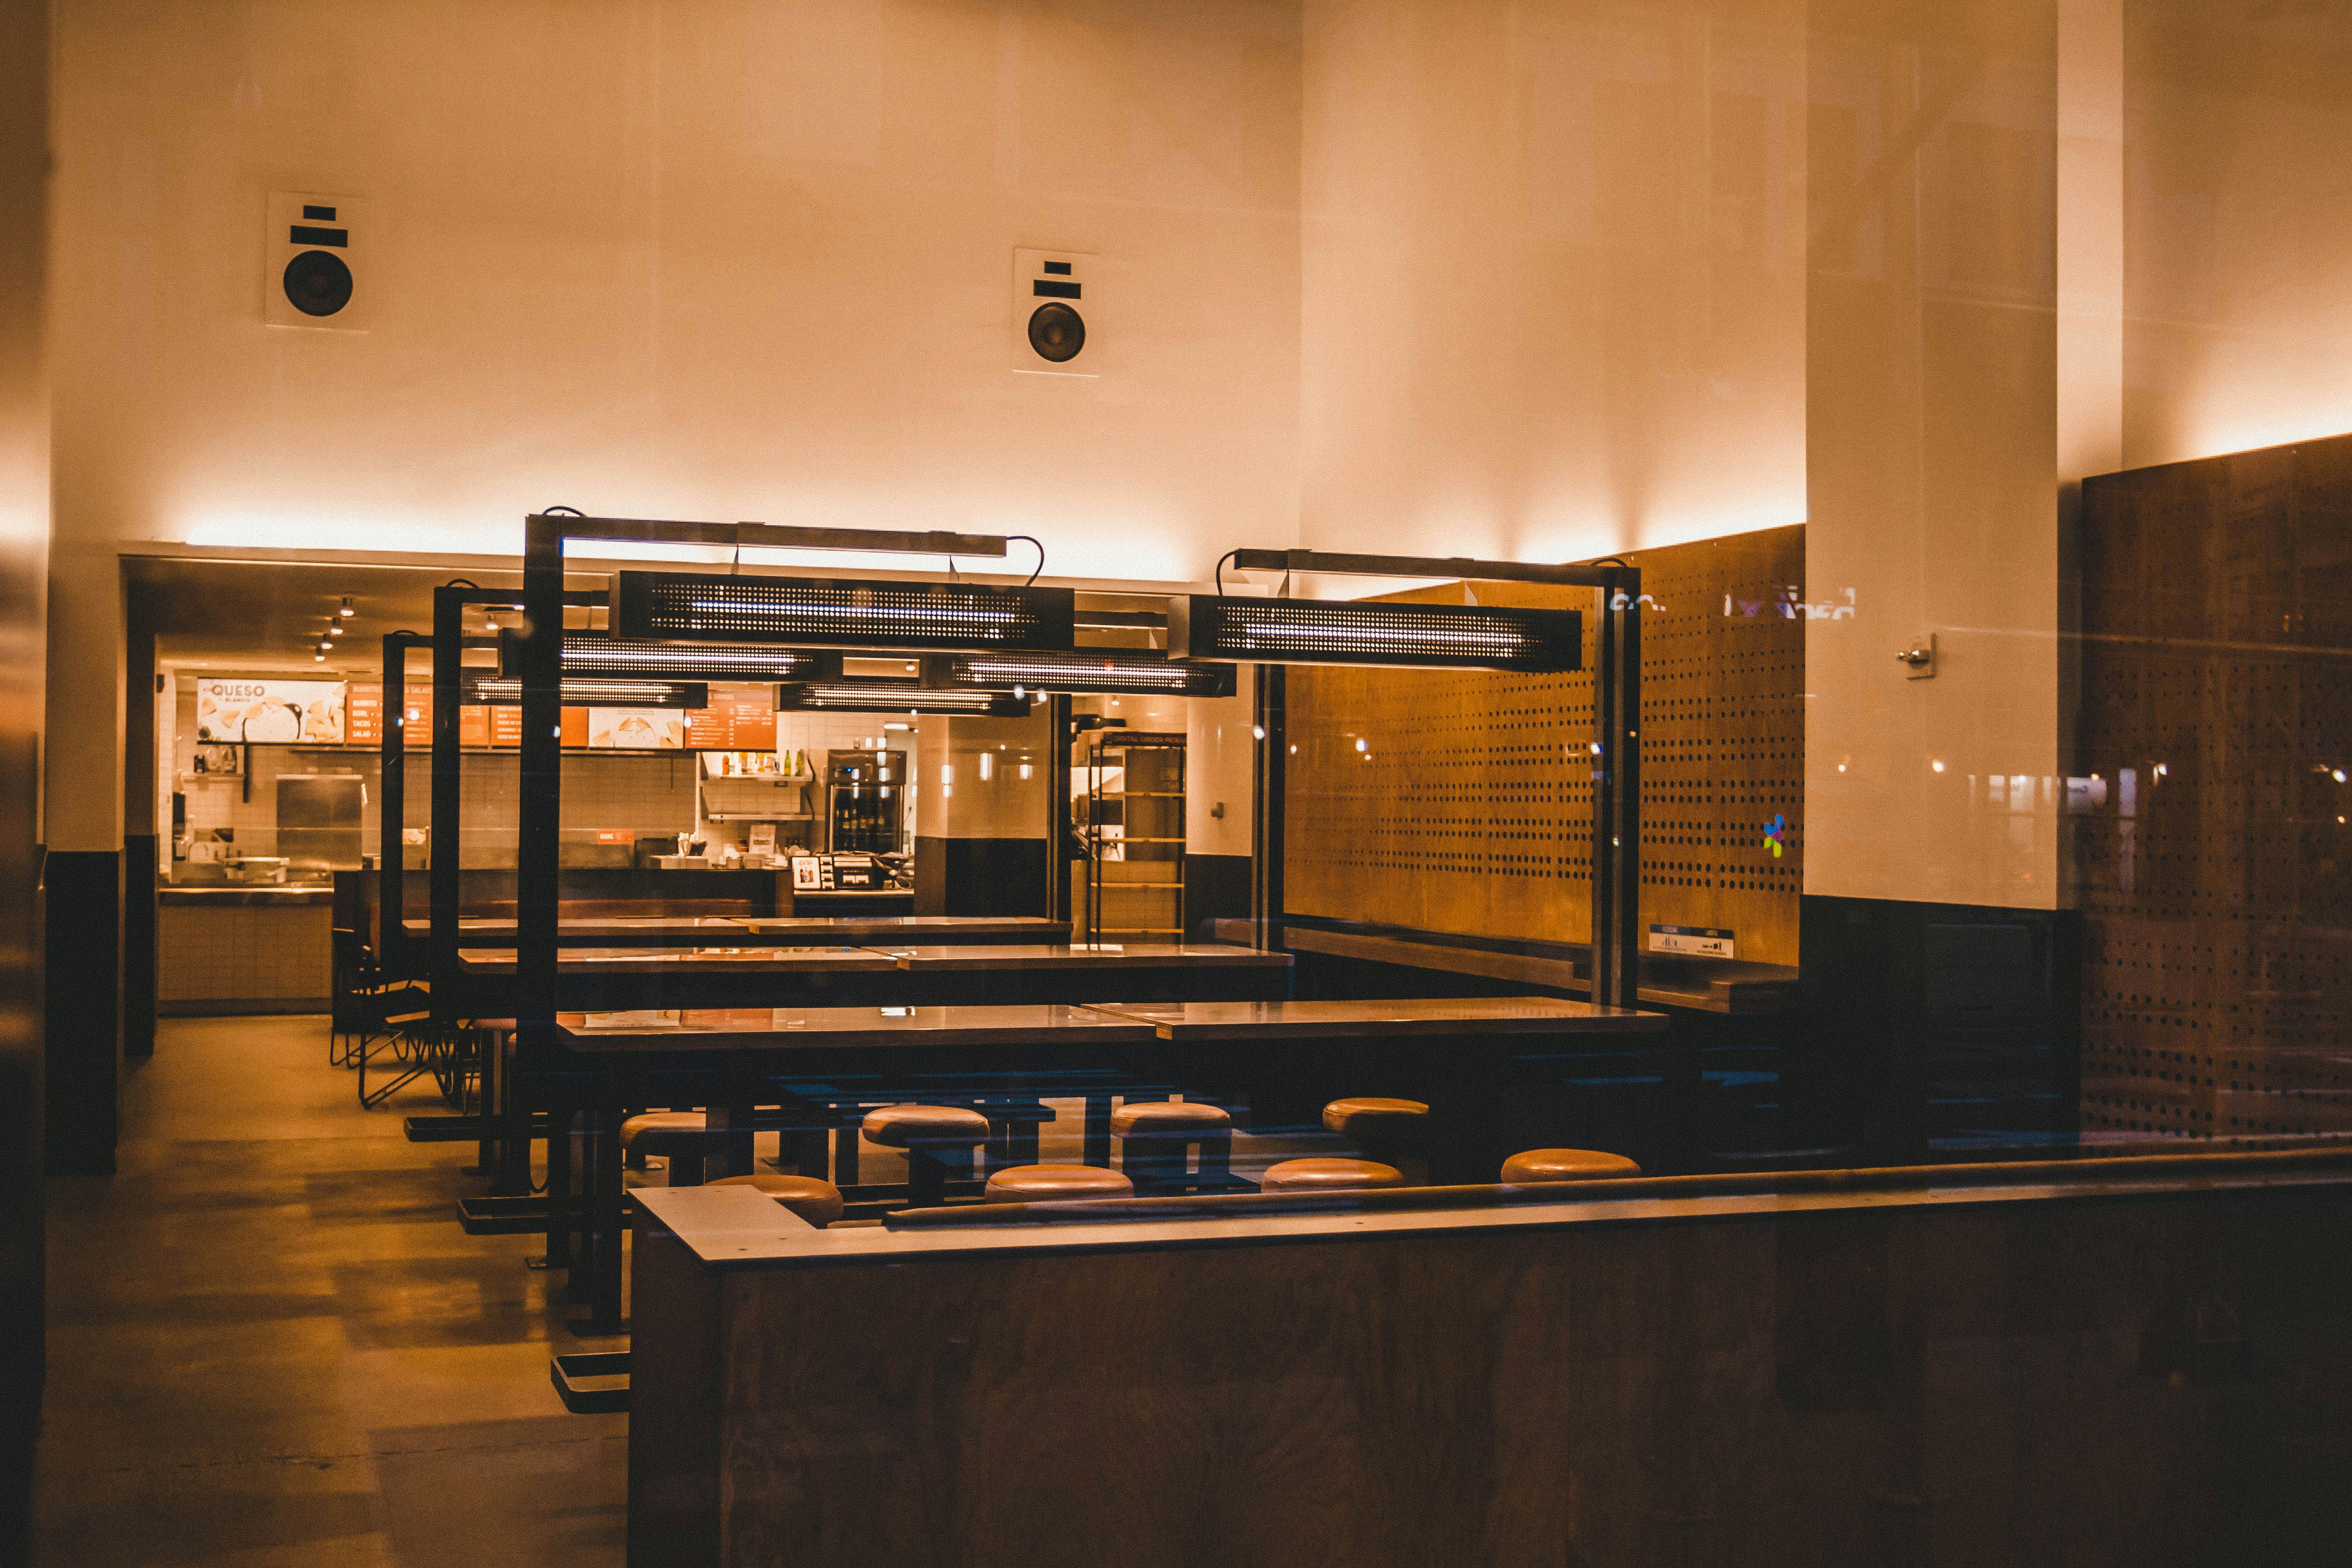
(270, 1343)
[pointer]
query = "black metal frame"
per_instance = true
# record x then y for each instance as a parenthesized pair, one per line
(1616, 847)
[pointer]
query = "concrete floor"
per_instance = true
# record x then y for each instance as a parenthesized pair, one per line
(270, 1343)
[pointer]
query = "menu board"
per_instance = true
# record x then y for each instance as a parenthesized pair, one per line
(483, 728)
(738, 720)
(264, 711)
(363, 714)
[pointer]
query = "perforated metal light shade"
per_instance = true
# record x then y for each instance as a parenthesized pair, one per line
(845, 612)
(505, 691)
(595, 654)
(1323, 631)
(899, 697)
(1086, 669)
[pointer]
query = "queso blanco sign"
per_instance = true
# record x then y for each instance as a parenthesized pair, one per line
(269, 710)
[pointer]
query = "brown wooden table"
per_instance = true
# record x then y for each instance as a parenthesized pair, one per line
(1454, 1054)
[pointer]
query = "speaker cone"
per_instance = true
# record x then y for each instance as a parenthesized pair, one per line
(319, 284)
(1058, 333)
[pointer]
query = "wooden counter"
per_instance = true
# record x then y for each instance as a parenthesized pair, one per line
(2044, 1374)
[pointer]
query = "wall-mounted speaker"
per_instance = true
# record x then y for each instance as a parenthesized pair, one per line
(311, 267)
(1054, 314)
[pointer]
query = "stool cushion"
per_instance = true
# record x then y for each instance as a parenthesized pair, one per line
(1168, 1118)
(1016, 1184)
(916, 1126)
(1368, 1118)
(819, 1203)
(671, 1132)
(1566, 1166)
(1329, 1175)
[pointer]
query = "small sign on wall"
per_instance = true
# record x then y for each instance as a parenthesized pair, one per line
(1697, 941)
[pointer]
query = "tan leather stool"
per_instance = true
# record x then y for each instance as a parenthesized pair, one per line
(932, 1135)
(1396, 1121)
(1020, 1184)
(1329, 1176)
(684, 1137)
(815, 1201)
(1155, 1135)
(1566, 1165)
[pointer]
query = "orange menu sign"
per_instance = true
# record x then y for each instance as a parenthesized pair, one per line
(363, 714)
(733, 723)
(500, 729)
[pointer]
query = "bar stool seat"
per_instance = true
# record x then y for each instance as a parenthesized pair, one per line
(1186, 1119)
(817, 1202)
(931, 1135)
(1155, 1134)
(1377, 1120)
(684, 1137)
(922, 1126)
(1538, 1166)
(1020, 1184)
(1329, 1176)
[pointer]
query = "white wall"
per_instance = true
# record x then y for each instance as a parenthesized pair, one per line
(1220, 755)
(1554, 273)
(704, 259)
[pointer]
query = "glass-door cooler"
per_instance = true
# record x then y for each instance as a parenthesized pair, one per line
(866, 799)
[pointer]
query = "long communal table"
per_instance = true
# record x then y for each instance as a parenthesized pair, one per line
(1456, 1055)
(728, 931)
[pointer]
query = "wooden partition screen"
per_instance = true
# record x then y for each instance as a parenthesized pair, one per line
(2210, 842)
(1461, 801)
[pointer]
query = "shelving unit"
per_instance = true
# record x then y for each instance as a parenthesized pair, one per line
(1134, 880)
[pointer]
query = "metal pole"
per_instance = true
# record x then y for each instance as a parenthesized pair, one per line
(1057, 810)
(392, 805)
(1270, 760)
(446, 859)
(1617, 790)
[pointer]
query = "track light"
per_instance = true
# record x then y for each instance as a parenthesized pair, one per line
(506, 692)
(346, 612)
(592, 653)
(897, 697)
(1086, 669)
(839, 612)
(1316, 631)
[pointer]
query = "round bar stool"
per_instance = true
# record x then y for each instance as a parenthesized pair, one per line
(684, 1138)
(1538, 1166)
(1020, 1184)
(1156, 1135)
(931, 1135)
(1329, 1176)
(1371, 1120)
(817, 1202)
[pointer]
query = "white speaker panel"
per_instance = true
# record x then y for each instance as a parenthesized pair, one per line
(1057, 319)
(313, 273)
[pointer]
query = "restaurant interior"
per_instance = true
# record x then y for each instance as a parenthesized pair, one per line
(994, 782)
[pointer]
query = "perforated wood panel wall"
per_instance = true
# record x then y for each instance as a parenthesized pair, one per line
(2217, 716)
(1462, 802)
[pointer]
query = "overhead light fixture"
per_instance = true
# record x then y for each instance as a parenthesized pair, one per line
(1086, 669)
(1324, 631)
(334, 628)
(506, 692)
(843, 612)
(346, 612)
(897, 697)
(592, 653)
(319, 657)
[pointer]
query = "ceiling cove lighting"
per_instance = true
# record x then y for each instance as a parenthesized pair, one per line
(1324, 631)
(506, 692)
(897, 697)
(667, 606)
(1084, 671)
(589, 653)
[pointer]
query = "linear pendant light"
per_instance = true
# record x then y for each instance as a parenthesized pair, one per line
(1330, 631)
(593, 653)
(1086, 669)
(506, 692)
(844, 612)
(897, 697)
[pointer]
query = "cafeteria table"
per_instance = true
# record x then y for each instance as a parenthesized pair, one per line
(1454, 1054)
(724, 930)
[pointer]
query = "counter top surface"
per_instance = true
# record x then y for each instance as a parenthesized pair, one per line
(906, 928)
(781, 1029)
(266, 895)
(688, 960)
(1444, 1015)
(1047, 956)
(739, 1227)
